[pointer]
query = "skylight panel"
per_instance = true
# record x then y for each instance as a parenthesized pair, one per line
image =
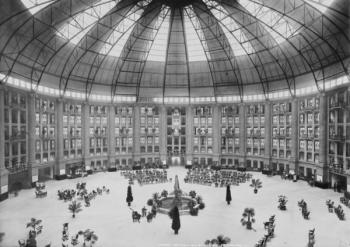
(195, 46)
(35, 6)
(321, 5)
(81, 23)
(116, 41)
(158, 49)
(237, 39)
(117, 48)
(280, 27)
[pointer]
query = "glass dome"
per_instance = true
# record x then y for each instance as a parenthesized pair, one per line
(164, 48)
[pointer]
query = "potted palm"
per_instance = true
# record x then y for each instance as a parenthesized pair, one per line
(36, 230)
(221, 240)
(248, 217)
(213, 241)
(256, 184)
(74, 208)
(35, 225)
(90, 237)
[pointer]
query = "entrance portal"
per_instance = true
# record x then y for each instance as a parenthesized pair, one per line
(175, 161)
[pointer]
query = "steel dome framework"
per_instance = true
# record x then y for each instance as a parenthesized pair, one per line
(246, 46)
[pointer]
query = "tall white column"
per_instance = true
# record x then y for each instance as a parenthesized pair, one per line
(3, 171)
(32, 166)
(189, 134)
(268, 135)
(293, 163)
(60, 168)
(216, 133)
(111, 136)
(136, 133)
(242, 135)
(321, 167)
(85, 135)
(163, 133)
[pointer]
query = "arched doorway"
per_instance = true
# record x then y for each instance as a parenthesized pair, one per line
(175, 161)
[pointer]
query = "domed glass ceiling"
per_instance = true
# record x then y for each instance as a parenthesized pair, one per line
(170, 48)
(279, 26)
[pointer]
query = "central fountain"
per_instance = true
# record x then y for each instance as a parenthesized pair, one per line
(175, 198)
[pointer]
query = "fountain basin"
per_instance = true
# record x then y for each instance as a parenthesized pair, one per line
(167, 203)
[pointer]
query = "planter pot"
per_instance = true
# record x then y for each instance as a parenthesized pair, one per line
(255, 191)
(249, 225)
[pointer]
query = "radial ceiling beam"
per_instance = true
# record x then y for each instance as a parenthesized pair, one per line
(250, 26)
(140, 37)
(57, 46)
(49, 49)
(176, 66)
(148, 49)
(289, 41)
(52, 15)
(212, 30)
(318, 25)
(95, 38)
(167, 51)
(100, 59)
(206, 52)
(254, 58)
(186, 53)
(36, 27)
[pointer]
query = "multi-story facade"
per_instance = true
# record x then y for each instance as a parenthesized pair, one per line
(43, 137)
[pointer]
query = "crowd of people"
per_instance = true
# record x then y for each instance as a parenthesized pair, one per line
(218, 178)
(149, 215)
(146, 176)
(81, 193)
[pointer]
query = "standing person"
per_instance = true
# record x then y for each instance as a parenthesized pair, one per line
(144, 212)
(175, 215)
(129, 197)
(228, 194)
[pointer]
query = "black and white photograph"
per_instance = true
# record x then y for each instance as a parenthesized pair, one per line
(174, 123)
